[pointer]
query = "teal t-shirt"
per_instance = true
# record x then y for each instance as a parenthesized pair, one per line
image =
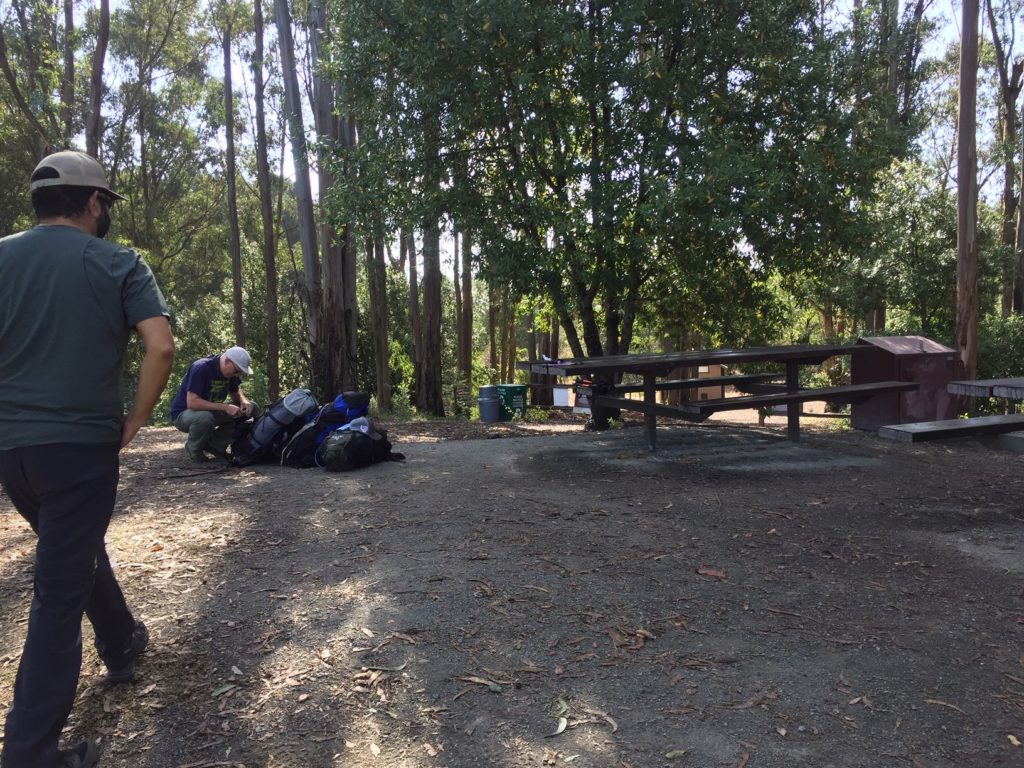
(68, 302)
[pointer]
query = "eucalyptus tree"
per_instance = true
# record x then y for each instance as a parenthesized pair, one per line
(228, 16)
(268, 239)
(967, 194)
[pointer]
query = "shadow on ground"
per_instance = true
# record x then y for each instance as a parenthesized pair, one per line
(734, 599)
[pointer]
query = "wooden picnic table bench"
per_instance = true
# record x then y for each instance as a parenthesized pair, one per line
(655, 366)
(1011, 388)
(740, 381)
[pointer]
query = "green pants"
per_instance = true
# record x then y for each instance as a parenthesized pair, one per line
(211, 431)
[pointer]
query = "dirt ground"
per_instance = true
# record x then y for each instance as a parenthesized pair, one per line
(561, 598)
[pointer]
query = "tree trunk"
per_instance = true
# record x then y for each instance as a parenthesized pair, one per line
(512, 350)
(1009, 89)
(534, 379)
(1018, 284)
(460, 363)
(492, 331)
(467, 308)
(339, 315)
(433, 396)
(67, 86)
(235, 243)
(313, 296)
(967, 192)
(415, 322)
(266, 214)
(93, 121)
(377, 282)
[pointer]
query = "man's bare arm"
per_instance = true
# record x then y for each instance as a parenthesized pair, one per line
(156, 368)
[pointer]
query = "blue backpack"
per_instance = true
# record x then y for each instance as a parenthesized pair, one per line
(301, 449)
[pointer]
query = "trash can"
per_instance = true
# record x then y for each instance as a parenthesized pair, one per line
(513, 400)
(903, 358)
(490, 404)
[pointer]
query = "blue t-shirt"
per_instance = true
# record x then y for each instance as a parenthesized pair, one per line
(205, 380)
(68, 302)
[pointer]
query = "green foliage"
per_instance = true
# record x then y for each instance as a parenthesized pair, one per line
(913, 253)
(1001, 346)
(633, 162)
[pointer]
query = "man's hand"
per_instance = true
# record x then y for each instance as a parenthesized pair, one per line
(232, 410)
(129, 428)
(246, 408)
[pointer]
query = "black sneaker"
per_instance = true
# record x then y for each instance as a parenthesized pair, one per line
(82, 755)
(123, 669)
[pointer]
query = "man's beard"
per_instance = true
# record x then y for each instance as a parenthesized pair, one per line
(103, 224)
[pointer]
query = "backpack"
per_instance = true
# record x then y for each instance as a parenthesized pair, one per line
(267, 436)
(300, 450)
(355, 445)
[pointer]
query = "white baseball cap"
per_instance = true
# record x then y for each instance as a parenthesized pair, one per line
(240, 357)
(73, 169)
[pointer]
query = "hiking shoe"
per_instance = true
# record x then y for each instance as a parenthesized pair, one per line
(123, 670)
(198, 458)
(82, 755)
(219, 453)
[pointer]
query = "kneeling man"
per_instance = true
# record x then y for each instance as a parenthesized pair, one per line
(199, 406)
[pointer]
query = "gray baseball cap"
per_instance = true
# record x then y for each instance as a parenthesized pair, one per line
(240, 357)
(74, 169)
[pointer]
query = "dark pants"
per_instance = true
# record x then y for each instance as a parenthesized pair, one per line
(66, 493)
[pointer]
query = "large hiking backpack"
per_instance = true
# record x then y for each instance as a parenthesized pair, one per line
(357, 444)
(301, 449)
(273, 429)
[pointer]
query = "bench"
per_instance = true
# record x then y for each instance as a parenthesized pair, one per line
(701, 409)
(939, 430)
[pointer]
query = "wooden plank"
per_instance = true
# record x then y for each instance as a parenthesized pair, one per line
(1013, 389)
(763, 389)
(661, 364)
(940, 430)
(656, 409)
(710, 381)
(850, 393)
(973, 387)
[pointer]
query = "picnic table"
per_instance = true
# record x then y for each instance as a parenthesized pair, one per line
(1010, 388)
(655, 367)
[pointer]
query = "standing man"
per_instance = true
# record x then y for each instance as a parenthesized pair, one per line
(68, 302)
(199, 406)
